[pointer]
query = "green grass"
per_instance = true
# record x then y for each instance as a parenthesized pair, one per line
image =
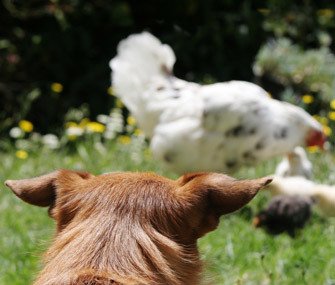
(235, 253)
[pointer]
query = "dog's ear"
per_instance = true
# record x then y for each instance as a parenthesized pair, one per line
(213, 195)
(223, 193)
(42, 190)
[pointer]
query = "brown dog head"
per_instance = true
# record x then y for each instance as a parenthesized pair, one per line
(152, 217)
(197, 199)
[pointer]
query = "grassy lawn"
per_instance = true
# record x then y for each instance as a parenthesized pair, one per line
(234, 254)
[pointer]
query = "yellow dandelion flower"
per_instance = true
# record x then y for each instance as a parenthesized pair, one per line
(56, 87)
(84, 122)
(124, 139)
(70, 124)
(327, 131)
(21, 154)
(313, 149)
(326, 13)
(331, 115)
(307, 99)
(138, 132)
(95, 127)
(110, 91)
(26, 126)
(72, 137)
(263, 11)
(131, 121)
(118, 103)
(332, 104)
(323, 120)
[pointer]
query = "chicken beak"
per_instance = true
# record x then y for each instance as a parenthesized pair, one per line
(256, 222)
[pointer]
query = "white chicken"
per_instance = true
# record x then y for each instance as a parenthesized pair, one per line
(295, 163)
(295, 185)
(193, 127)
(322, 194)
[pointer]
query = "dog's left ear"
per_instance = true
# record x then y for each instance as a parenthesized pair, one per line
(42, 190)
(223, 194)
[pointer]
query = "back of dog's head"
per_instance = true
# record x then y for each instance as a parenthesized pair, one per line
(132, 228)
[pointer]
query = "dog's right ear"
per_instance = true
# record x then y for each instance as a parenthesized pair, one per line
(42, 190)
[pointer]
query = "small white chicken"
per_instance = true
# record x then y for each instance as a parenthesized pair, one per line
(295, 163)
(192, 127)
(295, 185)
(323, 195)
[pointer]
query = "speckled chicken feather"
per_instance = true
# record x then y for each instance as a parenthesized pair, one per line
(193, 127)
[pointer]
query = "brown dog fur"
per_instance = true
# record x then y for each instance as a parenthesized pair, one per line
(130, 228)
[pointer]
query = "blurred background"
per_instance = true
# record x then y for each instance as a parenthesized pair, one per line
(54, 55)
